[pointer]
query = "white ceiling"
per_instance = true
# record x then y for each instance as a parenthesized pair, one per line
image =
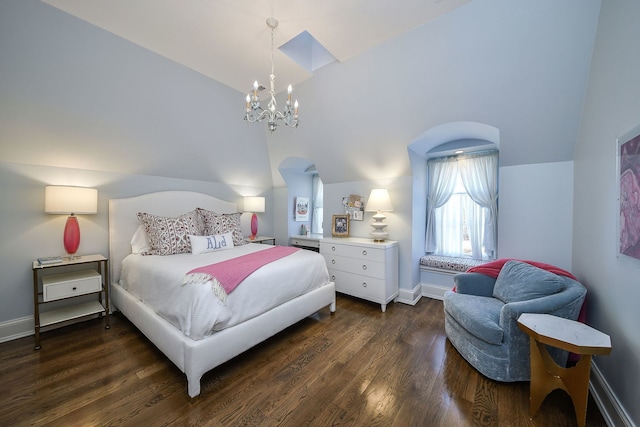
(229, 41)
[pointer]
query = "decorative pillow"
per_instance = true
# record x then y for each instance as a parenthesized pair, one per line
(519, 281)
(215, 223)
(201, 244)
(168, 235)
(139, 241)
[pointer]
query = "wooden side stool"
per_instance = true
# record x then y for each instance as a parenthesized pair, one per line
(546, 374)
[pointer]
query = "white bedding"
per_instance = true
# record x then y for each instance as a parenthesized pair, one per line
(195, 310)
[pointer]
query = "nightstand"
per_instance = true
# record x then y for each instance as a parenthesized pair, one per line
(262, 239)
(61, 284)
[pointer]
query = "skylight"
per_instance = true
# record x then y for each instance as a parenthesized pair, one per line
(307, 52)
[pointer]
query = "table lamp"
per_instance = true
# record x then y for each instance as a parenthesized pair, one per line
(379, 202)
(254, 204)
(70, 201)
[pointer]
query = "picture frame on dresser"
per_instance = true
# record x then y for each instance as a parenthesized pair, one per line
(340, 225)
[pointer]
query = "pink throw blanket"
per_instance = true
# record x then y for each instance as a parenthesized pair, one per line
(230, 273)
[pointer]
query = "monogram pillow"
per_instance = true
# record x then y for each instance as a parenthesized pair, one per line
(215, 223)
(217, 242)
(169, 235)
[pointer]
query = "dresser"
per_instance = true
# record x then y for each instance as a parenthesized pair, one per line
(363, 268)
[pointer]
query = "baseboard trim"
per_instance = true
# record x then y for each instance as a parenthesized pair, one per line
(16, 328)
(434, 291)
(410, 296)
(612, 412)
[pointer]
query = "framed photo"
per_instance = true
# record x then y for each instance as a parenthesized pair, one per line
(340, 226)
(302, 208)
(629, 193)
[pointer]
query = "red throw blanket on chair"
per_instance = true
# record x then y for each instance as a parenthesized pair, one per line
(493, 268)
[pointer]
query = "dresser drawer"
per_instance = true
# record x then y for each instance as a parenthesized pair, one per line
(65, 285)
(359, 252)
(305, 243)
(359, 286)
(363, 267)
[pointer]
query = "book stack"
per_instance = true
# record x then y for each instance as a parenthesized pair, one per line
(50, 260)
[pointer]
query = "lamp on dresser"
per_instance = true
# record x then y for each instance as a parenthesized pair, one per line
(379, 201)
(254, 204)
(70, 201)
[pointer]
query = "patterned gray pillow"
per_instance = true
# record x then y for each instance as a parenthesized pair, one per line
(215, 223)
(169, 235)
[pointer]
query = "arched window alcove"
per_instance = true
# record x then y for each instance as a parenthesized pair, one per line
(302, 181)
(439, 141)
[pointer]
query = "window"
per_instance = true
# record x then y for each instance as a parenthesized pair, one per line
(462, 206)
(318, 201)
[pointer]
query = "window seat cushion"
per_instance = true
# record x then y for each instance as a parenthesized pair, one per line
(449, 263)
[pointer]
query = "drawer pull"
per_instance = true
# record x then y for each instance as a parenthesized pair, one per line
(333, 248)
(333, 261)
(364, 284)
(364, 253)
(74, 288)
(364, 266)
(333, 277)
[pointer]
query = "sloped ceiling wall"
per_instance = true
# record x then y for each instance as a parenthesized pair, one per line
(77, 96)
(519, 66)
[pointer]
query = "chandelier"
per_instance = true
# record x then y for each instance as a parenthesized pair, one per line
(255, 113)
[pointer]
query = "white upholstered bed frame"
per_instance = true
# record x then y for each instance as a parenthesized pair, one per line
(194, 358)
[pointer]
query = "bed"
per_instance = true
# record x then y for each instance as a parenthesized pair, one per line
(197, 354)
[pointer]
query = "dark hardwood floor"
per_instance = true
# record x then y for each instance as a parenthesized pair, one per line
(358, 367)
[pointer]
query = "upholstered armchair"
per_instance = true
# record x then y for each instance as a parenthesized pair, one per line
(481, 316)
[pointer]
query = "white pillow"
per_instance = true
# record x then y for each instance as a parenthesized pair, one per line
(139, 241)
(216, 242)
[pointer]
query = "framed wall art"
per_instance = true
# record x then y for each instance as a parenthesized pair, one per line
(340, 226)
(354, 207)
(302, 208)
(628, 159)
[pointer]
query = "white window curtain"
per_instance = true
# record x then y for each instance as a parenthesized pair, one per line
(449, 233)
(479, 175)
(318, 201)
(442, 181)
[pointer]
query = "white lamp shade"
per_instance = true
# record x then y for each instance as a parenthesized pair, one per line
(254, 204)
(379, 201)
(60, 199)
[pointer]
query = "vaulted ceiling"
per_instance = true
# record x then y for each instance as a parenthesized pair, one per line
(229, 41)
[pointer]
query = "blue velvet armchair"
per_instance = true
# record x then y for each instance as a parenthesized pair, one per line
(481, 316)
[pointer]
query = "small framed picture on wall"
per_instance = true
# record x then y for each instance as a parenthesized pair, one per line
(340, 226)
(302, 208)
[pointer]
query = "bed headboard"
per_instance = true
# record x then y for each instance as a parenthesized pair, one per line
(123, 220)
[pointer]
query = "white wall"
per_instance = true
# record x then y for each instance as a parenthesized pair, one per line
(399, 225)
(519, 66)
(27, 232)
(611, 109)
(535, 209)
(75, 96)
